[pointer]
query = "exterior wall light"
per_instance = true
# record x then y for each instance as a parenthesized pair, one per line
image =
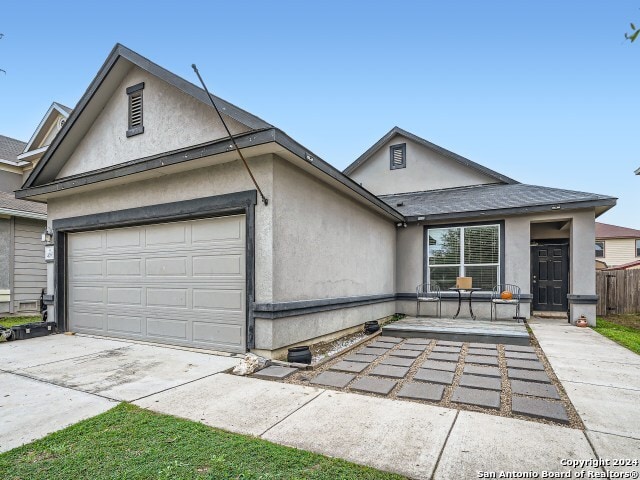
(47, 236)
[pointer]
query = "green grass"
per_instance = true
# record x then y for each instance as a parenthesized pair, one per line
(11, 321)
(131, 443)
(620, 331)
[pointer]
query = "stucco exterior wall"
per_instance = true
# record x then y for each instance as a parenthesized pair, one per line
(172, 120)
(5, 260)
(409, 258)
(618, 251)
(425, 170)
(9, 181)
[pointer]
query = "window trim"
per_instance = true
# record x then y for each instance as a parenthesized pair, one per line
(403, 148)
(501, 246)
(637, 247)
(604, 252)
(137, 90)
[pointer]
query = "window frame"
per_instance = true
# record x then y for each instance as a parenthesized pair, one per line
(637, 247)
(603, 249)
(426, 275)
(134, 91)
(403, 148)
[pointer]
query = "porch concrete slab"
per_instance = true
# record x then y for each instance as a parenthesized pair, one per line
(389, 371)
(434, 376)
(615, 447)
(350, 426)
(474, 396)
(353, 367)
(446, 349)
(398, 361)
(484, 383)
(131, 372)
(539, 408)
(529, 375)
(481, 359)
(32, 409)
(421, 391)
(519, 348)
(358, 357)
(447, 357)
(333, 379)
(418, 341)
(436, 365)
(483, 370)
(275, 372)
(521, 355)
(482, 352)
(237, 404)
(373, 351)
(390, 339)
(380, 386)
(52, 348)
(606, 409)
(525, 364)
(487, 346)
(480, 443)
(534, 389)
(406, 353)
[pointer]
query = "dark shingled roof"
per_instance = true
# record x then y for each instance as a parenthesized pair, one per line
(605, 230)
(10, 148)
(493, 199)
(8, 201)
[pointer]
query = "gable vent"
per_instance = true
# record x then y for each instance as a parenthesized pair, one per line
(398, 156)
(135, 110)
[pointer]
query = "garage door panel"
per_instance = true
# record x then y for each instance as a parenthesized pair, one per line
(181, 283)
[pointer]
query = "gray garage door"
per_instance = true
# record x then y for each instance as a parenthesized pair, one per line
(181, 283)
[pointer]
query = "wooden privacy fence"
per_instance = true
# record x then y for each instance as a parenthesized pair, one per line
(618, 291)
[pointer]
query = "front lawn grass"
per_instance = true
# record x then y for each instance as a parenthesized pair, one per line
(11, 321)
(128, 442)
(622, 331)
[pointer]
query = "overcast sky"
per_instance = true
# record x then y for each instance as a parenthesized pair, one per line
(544, 91)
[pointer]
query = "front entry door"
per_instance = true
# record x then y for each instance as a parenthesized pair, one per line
(550, 277)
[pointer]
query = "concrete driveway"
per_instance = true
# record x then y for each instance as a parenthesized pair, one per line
(52, 382)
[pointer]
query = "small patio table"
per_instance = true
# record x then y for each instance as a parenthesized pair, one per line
(460, 290)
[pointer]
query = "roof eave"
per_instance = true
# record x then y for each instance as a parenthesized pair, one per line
(23, 214)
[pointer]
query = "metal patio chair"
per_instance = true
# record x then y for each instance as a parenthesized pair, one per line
(429, 292)
(496, 298)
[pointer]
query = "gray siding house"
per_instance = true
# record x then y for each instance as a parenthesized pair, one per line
(159, 233)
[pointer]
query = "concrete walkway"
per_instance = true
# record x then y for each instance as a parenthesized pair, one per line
(602, 380)
(420, 441)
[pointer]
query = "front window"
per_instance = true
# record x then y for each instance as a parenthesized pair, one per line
(599, 249)
(638, 247)
(465, 251)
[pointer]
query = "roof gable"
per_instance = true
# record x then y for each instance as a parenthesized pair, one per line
(115, 69)
(47, 128)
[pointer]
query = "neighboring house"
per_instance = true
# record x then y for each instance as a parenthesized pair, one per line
(159, 232)
(617, 245)
(626, 266)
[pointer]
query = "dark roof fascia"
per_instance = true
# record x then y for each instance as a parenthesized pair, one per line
(443, 151)
(638, 171)
(607, 202)
(120, 51)
(219, 146)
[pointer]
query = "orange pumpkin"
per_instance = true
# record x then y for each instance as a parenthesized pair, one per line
(506, 295)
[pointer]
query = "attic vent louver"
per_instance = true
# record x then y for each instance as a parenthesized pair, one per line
(398, 156)
(135, 110)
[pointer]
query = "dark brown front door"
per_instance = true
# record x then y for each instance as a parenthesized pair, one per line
(550, 277)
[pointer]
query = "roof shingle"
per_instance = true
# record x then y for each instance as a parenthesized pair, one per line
(605, 230)
(8, 201)
(10, 148)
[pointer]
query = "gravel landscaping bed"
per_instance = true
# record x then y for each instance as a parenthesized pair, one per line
(504, 380)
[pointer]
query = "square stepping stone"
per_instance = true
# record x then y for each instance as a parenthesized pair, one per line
(449, 343)
(474, 396)
(390, 339)
(482, 370)
(435, 365)
(398, 361)
(422, 391)
(406, 353)
(434, 376)
(353, 367)
(389, 371)
(446, 349)
(534, 389)
(333, 379)
(415, 348)
(386, 346)
(358, 357)
(525, 364)
(418, 341)
(487, 346)
(481, 359)
(521, 355)
(373, 385)
(485, 383)
(539, 408)
(447, 357)
(483, 352)
(519, 348)
(275, 372)
(373, 351)
(530, 375)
